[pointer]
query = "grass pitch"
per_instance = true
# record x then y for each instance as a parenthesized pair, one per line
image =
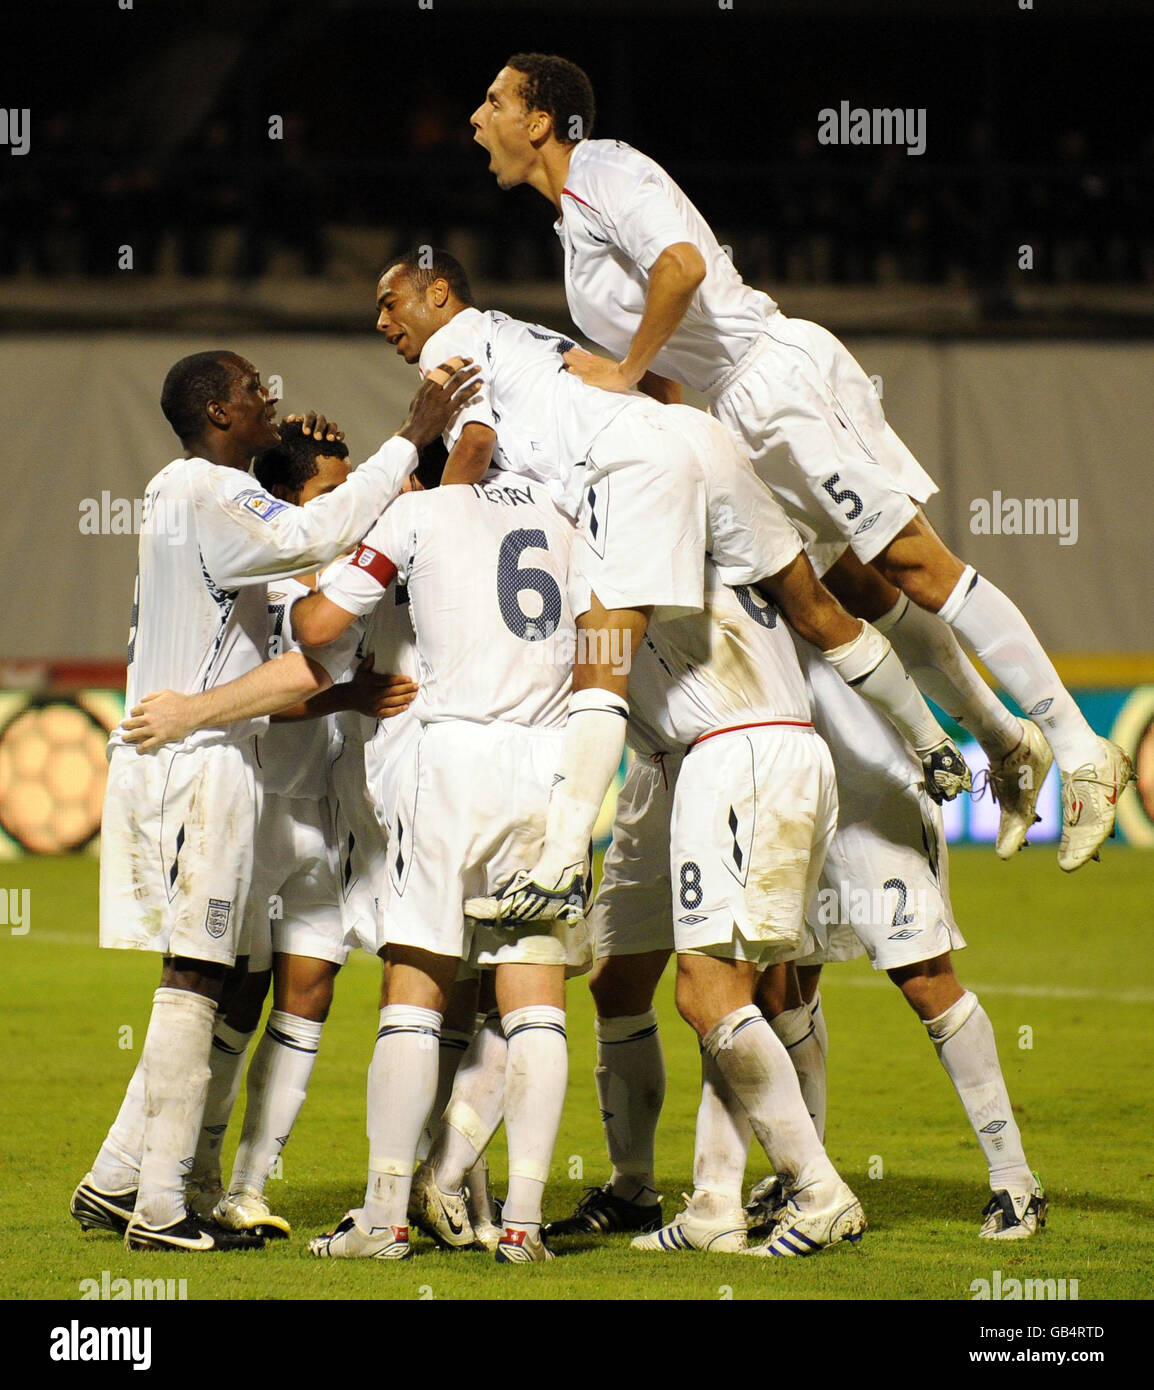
(1062, 965)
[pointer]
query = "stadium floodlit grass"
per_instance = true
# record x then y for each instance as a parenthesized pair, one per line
(1062, 965)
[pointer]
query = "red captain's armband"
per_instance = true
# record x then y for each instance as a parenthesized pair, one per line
(379, 566)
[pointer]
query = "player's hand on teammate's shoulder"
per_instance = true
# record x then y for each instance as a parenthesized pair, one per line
(379, 694)
(162, 717)
(441, 395)
(597, 371)
(316, 426)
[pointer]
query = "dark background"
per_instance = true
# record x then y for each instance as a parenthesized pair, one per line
(152, 123)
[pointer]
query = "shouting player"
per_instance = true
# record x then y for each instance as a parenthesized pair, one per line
(646, 278)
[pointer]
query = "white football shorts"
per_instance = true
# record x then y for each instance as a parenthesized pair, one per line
(886, 877)
(633, 909)
(811, 423)
(753, 816)
(176, 850)
(294, 901)
(359, 840)
(664, 486)
(469, 811)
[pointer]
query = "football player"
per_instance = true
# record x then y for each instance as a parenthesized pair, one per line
(646, 278)
(178, 827)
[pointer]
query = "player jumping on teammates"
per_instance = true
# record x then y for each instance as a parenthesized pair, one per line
(656, 487)
(646, 278)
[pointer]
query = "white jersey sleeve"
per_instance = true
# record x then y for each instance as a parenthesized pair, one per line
(465, 335)
(619, 211)
(293, 754)
(647, 219)
(247, 536)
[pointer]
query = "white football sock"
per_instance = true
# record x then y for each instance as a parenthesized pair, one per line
(997, 631)
(478, 1196)
(964, 1039)
(869, 665)
(590, 756)
(450, 1052)
(817, 1013)
(475, 1107)
(720, 1146)
(117, 1165)
(535, 1080)
(934, 658)
(630, 1077)
(278, 1082)
(226, 1066)
(757, 1067)
(798, 1034)
(402, 1084)
(175, 1061)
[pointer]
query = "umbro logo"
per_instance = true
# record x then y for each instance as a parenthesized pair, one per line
(690, 920)
(904, 935)
(867, 523)
(1040, 708)
(993, 1127)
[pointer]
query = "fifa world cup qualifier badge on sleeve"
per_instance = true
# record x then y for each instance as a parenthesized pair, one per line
(216, 918)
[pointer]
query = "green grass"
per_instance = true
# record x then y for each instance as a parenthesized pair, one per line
(1068, 958)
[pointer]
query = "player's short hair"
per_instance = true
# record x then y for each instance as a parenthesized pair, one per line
(431, 465)
(189, 386)
(559, 88)
(291, 463)
(428, 263)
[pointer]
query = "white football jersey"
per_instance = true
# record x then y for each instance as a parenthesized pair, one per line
(485, 566)
(733, 663)
(545, 418)
(385, 633)
(619, 211)
(293, 756)
(210, 539)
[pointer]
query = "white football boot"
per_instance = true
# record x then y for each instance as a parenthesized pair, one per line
(1015, 1215)
(518, 1247)
(1015, 781)
(1089, 803)
(442, 1215)
(804, 1232)
(248, 1211)
(349, 1242)
(722, 1232)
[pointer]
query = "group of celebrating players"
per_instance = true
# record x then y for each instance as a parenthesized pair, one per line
(457, 643)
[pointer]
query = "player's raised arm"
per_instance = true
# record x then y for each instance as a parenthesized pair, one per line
(471, 456)
(275, 540)
(347, 591)
(673, 281)
(167, 716)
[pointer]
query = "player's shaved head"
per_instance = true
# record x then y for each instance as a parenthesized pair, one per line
(426, 264)
(288, 466)
(559, 88)
(191, 384)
